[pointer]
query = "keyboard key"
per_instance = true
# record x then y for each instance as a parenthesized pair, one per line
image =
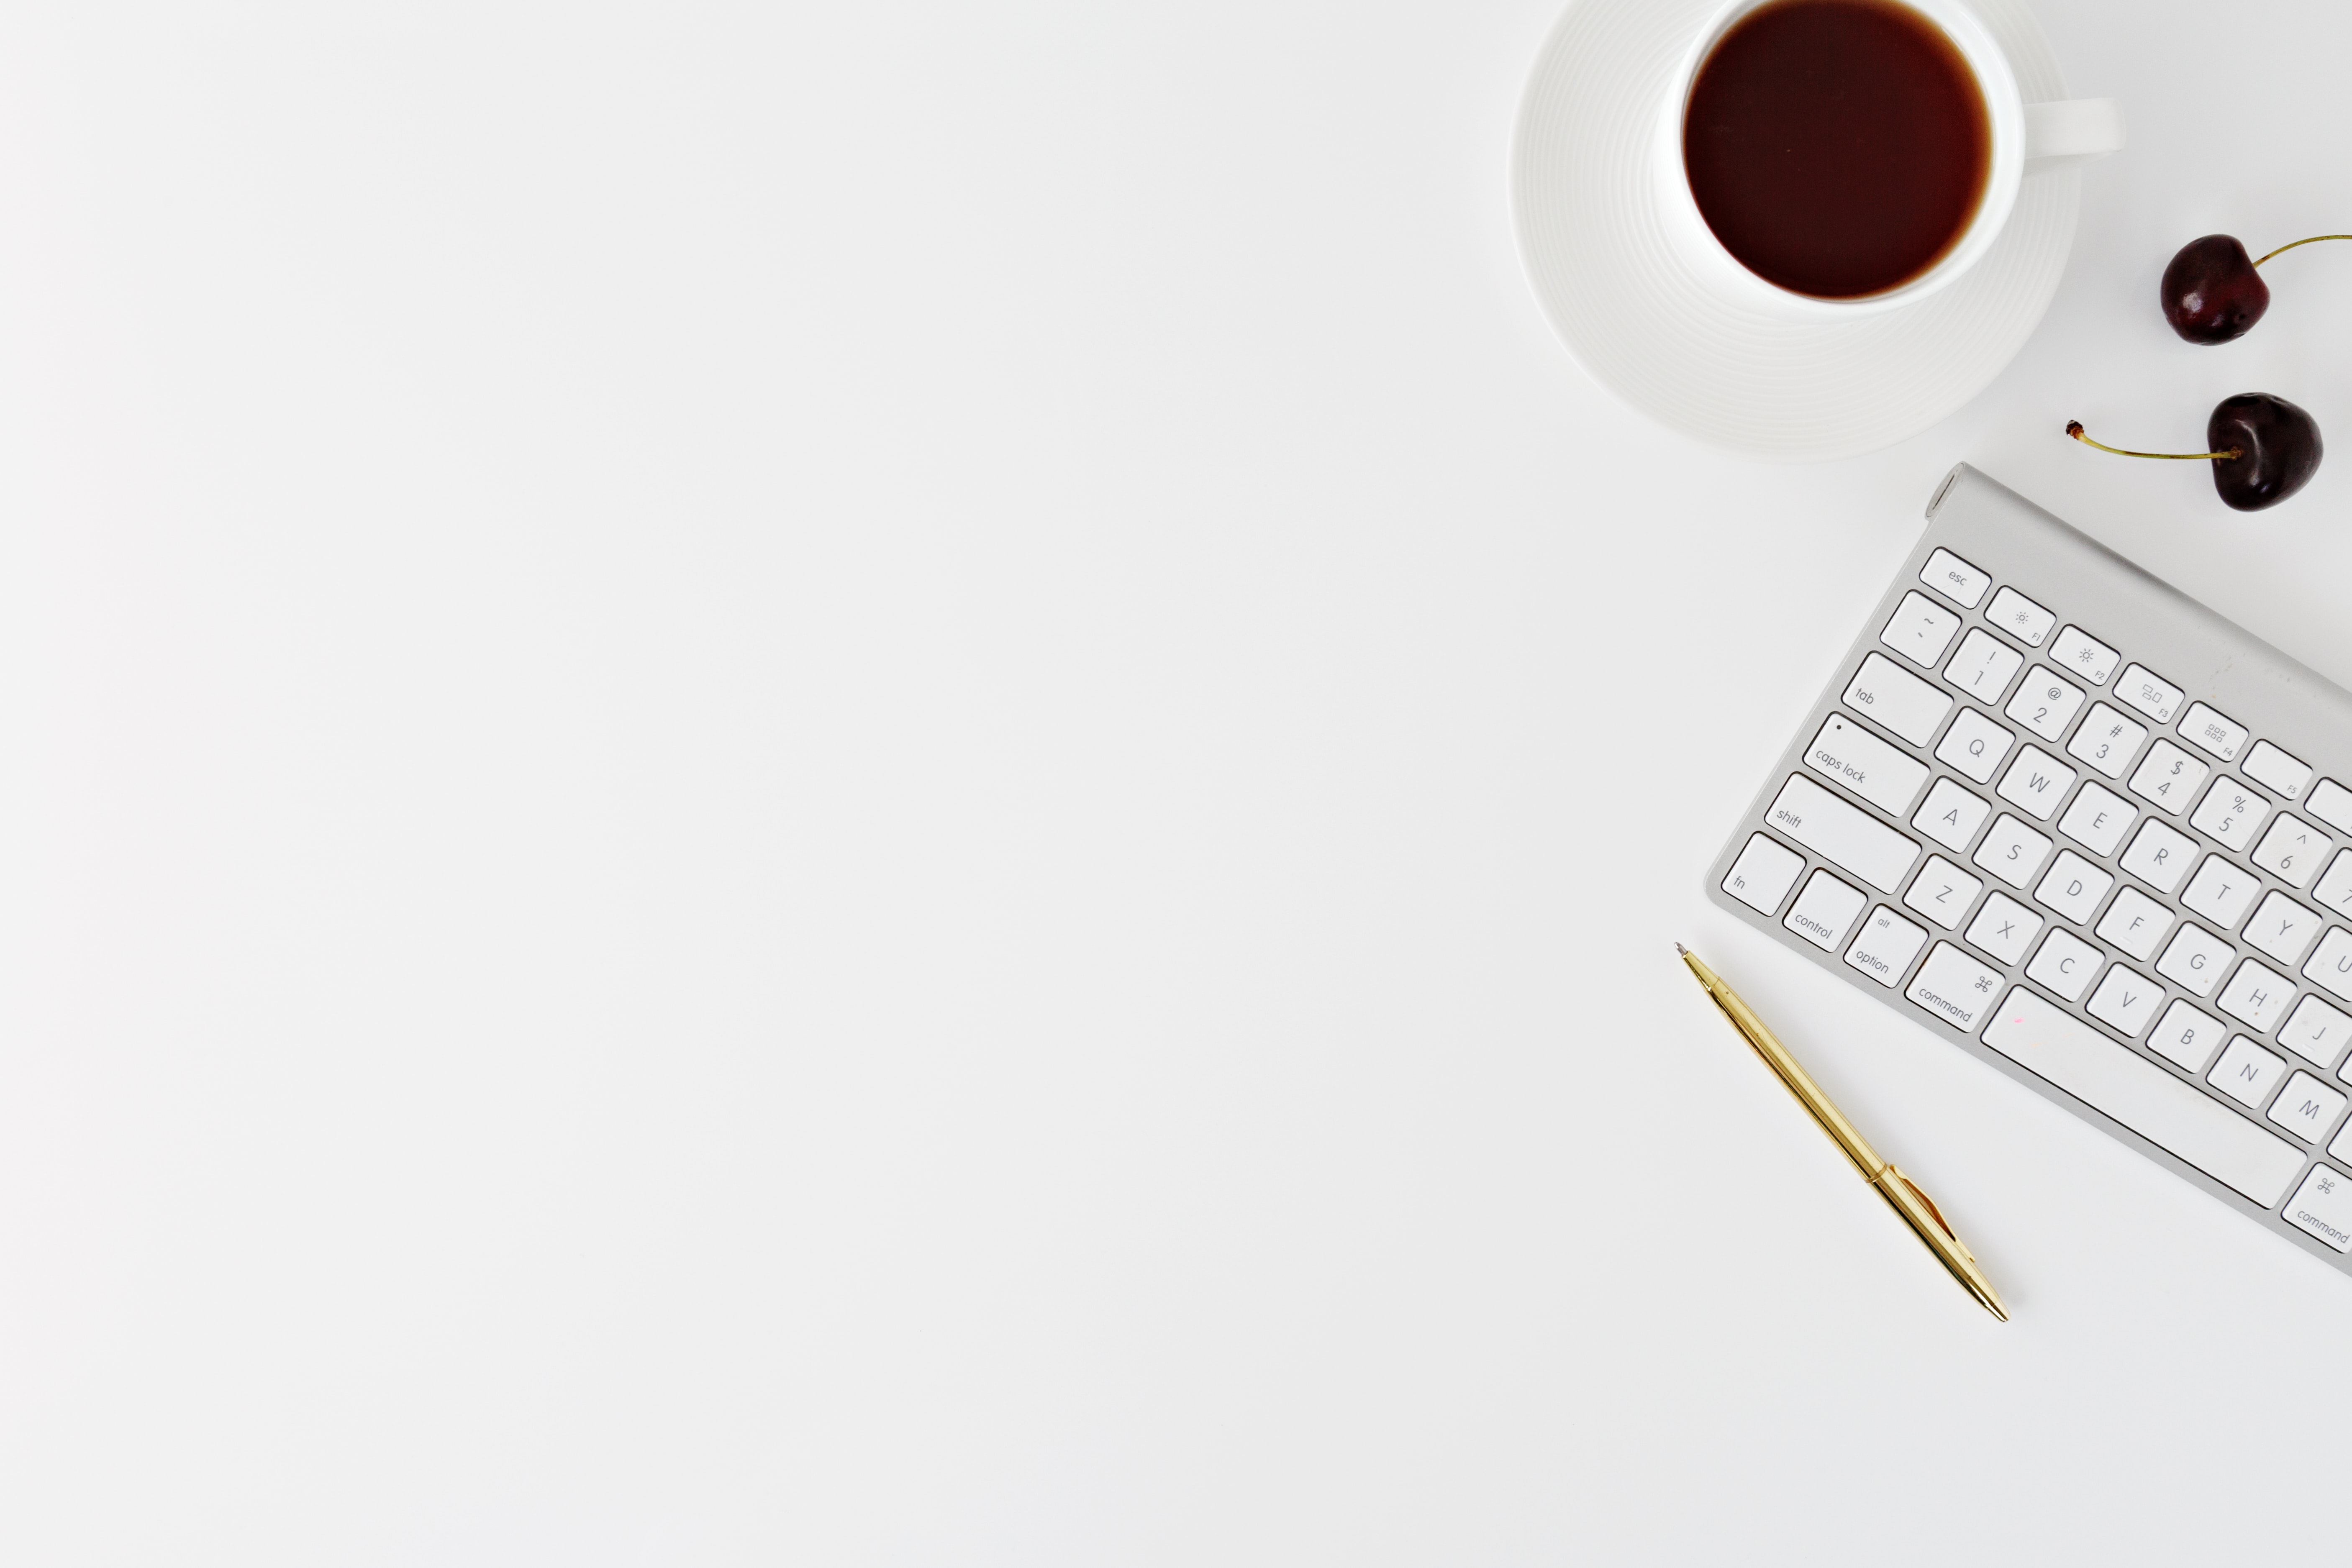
(2107, 740)
(2334, 888)
(2011, 852)
(2125, 1000)
(2169, 777)
(1984, 666)
(2004, 928)
(2256, 997)
(1825, 910)
(1898, 699)
(2246, 1072)
(2036, 783)
(2135, 923)
(2316, 1032)
(2196, 960)
(2045, 704)
(2187, 1036)
(1887, 944)
(2266, 764)
(2150, 693)
(2332, 804)
(2083, 654)
(1845, 835)
(1950, 815)
(2213, 732)
(2230, 813)
(1921, 630)
(1955, 987)
(2331, 966)
(2067, 963)
(1943, 893)
(2292, 849)
(2019, 617)
(2220, 892)
(2323, 1206)
(2282, 928)
(2160, 857)
(1955, 578)
(2097, 818)
(1763, 874)
(2073, 887)
(1974, 746)
(1849, 755)
(2131, 1090)
(2307, 1108)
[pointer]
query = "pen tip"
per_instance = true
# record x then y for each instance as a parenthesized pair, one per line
(1683, 950)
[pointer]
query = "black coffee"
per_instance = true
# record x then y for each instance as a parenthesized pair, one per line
(1838, 148)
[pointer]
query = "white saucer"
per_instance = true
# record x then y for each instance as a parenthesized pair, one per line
(1631, 313)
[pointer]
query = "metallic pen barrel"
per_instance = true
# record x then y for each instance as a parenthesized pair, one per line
(1901, 1193)
(1788, 1070)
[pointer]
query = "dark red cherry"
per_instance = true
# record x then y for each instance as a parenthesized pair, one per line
(2212, 292)
(2262, 448)
(2280, 444)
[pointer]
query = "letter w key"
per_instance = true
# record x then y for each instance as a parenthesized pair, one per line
(2036, 783)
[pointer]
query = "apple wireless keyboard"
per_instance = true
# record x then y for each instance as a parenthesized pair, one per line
(2098, 834)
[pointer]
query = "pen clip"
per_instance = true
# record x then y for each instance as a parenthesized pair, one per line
(1923, 1197)
(1933, 1212)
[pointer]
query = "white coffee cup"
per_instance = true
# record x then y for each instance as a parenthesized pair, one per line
(2027, 140)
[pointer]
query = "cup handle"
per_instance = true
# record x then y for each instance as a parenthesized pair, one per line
(2065, 135)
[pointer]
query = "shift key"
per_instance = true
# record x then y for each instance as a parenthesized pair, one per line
(1842, 834)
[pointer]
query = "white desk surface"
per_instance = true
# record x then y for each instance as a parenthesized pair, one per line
(910, 784)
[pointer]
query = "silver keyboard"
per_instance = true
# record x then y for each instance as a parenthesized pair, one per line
(2097, 833)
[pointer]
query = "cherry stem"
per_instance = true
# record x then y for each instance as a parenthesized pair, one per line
(2075, 429)
(2313, 240)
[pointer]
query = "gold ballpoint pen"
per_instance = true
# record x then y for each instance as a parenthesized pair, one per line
(1901, 1193)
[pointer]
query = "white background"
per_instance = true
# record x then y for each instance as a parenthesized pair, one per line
(910, 784)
